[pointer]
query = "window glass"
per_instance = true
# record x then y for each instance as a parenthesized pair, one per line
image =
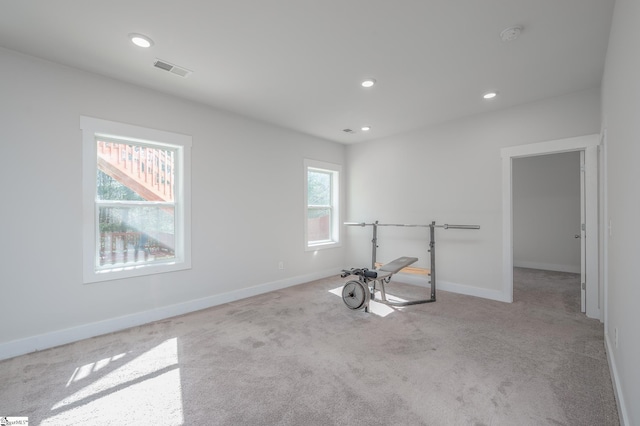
(135, 199)
(318, 225)
(133, 235)
(319, 188)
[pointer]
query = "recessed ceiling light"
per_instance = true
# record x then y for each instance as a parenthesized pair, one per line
(368, 82)
(490, 95)
(366, 128)
(140, 40)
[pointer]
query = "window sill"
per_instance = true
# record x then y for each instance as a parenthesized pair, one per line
(323, 246)
(132, 270)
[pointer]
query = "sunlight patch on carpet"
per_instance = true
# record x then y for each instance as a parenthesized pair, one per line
(87, 369)
(144, 390)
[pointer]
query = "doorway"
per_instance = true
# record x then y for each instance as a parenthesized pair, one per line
(589, 145)
(547, 218)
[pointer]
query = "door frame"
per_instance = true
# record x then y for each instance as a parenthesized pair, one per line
(589, 144)
(583, 242)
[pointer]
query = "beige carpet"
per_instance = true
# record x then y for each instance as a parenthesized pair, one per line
(299, 357)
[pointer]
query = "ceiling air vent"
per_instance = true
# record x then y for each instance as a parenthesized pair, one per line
(167, 66)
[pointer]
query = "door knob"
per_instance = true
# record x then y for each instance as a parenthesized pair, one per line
(577, 236)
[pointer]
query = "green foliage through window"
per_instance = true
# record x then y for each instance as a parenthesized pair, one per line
(111, 189)
(318, 193)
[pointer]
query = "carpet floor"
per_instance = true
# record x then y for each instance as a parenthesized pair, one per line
(298, 356)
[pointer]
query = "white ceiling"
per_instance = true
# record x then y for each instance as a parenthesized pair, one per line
(298, 63)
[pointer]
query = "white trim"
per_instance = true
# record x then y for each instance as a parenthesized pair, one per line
(615, 378)
(592, 235)
(574, 269)
(90, 128)
(507, 229)
(604, 228)
(583, 240)
(61, 337)
(551, 147)
(589, 144)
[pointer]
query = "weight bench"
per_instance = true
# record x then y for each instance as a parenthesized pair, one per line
(358, 294)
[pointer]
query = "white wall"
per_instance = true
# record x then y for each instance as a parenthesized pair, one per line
(546, 212)
(452, 173)
(621, 120)
(247, 206)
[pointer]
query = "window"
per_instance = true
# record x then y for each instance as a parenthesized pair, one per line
(322, 214)
(136, 203)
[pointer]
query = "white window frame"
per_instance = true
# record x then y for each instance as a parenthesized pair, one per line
(94, 127)
(336, 171)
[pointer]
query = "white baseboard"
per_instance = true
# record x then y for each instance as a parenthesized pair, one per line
(615, 377)
(574, 269)
(423, 281)
(61, 337)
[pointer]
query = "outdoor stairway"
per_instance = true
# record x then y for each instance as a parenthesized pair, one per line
(146, 171)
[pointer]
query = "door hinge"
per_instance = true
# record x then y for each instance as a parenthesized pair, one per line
(583, 227)
(584, 285)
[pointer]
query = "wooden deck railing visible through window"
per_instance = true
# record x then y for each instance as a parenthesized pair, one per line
(126, 247)
(147, 171)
